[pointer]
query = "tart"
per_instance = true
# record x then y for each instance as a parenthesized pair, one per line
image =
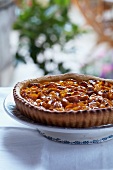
(68, 100)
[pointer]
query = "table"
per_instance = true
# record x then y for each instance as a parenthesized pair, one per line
(23, 148)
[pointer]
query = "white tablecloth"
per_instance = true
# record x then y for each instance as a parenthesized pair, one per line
(23, 148)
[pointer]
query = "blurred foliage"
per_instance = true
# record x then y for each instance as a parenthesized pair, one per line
(100, 66)
(43, 24)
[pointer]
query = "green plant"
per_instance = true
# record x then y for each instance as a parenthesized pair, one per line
(41, 27)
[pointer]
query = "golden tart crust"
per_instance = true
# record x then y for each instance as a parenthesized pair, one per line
(85, 101)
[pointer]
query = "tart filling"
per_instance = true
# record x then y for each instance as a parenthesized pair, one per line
(69, 94)
(68, 100)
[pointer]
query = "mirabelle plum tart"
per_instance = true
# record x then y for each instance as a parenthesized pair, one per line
(67, 100)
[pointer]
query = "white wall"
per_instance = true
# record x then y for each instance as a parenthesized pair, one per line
(7, 17)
